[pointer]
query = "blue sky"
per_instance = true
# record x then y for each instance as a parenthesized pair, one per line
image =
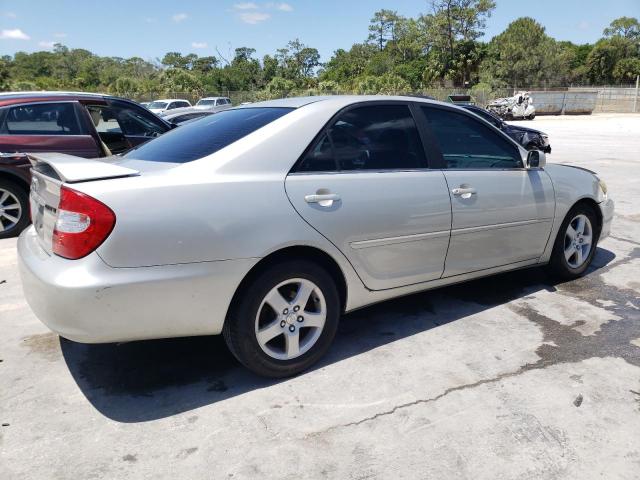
(149, 29)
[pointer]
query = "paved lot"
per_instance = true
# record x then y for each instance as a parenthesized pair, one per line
(507, 377)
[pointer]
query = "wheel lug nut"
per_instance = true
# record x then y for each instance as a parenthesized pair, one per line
(292, 328)
(300, 318)
(296, 308)
(283, 323)
(285, 311)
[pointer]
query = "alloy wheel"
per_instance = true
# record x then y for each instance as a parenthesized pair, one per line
(578, 241)
(290, 319)
(10, 210)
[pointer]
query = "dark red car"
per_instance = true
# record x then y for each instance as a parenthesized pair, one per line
(81, 124)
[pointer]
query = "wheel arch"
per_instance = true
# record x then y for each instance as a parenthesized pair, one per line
(300, 252)
(15, 178)
(594, 206)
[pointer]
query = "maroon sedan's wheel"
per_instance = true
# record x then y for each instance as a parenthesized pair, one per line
(14, 209)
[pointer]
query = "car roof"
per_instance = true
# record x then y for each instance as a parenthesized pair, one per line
(212, 98)
(10, 98)
(171, 100)
(344, 100)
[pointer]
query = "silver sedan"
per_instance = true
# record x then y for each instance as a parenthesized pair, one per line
(266, 222)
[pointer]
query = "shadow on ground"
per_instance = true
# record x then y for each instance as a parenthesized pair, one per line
(142, 381)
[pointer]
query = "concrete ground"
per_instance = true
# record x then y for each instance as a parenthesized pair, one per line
(506, 377)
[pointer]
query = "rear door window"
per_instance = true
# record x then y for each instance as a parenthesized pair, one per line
(375, 137)
(41, 119)
(207, 135)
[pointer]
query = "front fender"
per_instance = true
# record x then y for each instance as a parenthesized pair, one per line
(570, 185)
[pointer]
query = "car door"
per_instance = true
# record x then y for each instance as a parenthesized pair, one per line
(364, 184)
(123, 125)
(46, 127)
(502, 213)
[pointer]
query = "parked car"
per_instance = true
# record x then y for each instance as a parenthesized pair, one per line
(299, 209)
(159, 106)
(215, 104)
(82, 124)
(529, 138)
(181, 115)
(145, 104)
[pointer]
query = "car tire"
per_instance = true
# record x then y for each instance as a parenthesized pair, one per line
(268, 328)
(14, 209)
(570, 259)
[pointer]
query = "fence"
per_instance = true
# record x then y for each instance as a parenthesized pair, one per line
(566, 100)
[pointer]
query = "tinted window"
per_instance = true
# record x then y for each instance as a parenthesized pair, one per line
(207, 135)
(42, 119)
(206, 102)
(319, 158)
(468, 143)
(377, 137)
(486, 116)
(183, 104)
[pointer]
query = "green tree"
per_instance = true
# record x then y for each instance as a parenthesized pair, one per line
(626, 27)
(627, 69)
(523, 55)
(382, 27)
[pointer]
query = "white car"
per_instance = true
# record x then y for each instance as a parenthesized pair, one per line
(159, 106)
(267, 222)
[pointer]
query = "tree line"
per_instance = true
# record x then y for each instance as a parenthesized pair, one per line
(440, 48)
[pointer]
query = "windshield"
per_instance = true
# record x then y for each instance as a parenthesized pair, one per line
(206, 102)
(207, 135)
(157, 105)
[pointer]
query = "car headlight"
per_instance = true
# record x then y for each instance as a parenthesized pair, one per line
(603, 187)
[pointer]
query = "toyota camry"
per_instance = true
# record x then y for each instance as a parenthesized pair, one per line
(266, 222)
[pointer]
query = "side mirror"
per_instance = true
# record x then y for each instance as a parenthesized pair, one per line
(536, 159)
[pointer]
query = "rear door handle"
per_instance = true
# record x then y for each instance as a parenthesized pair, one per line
(464, 192)
(322, 199)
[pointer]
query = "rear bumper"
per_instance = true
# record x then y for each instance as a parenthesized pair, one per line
(607, 208)
(87, 301)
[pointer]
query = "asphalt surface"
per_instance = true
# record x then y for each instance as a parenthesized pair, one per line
(513, 376)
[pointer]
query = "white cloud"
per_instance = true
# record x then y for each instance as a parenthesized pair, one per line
(285, 7)
(245, 6)
(45, 44)
(10, 15)
(60, 35)
(254, 17)
(15, 34)
(199, 44)
(179, 17)
(583, 25)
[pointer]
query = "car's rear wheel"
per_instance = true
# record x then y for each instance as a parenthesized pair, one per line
(285, 319)
(14, 209)
(575, 244)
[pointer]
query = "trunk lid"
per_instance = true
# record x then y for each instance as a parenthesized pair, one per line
(49, 172)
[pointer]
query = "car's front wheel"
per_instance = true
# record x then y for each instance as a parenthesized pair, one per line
(575, 244)
(284, 320)
(14, 209)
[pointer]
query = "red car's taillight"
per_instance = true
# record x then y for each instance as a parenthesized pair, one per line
(82, 224)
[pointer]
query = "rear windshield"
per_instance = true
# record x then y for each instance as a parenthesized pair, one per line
(157, 105)
(205, 136)
(206, 102)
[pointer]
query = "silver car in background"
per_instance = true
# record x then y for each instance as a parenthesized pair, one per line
(214, 104)
(267, 222)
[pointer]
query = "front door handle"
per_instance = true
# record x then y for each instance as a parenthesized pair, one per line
(464, 191)
(322, 199)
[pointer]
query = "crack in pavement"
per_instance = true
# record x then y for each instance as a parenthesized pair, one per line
(561, 343)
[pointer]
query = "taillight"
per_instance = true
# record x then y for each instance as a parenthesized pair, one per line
(82, 224)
